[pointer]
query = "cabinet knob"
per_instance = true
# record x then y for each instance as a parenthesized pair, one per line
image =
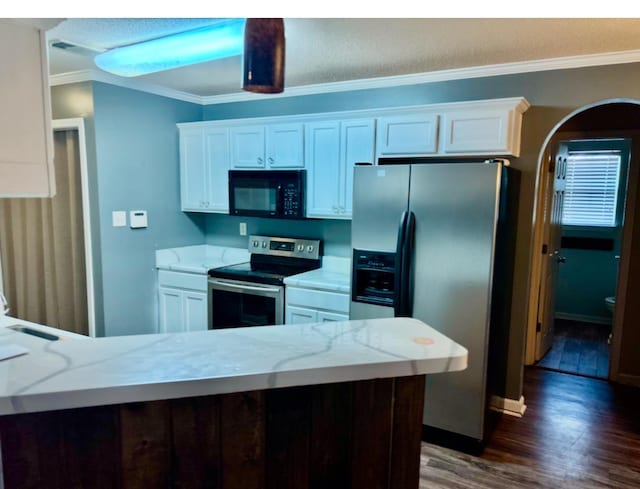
(270, 160)
(259, 160)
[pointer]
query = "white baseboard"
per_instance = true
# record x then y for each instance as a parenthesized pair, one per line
(584, 318)
(512, 407)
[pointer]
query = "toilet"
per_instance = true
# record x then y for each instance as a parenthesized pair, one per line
(610, 303)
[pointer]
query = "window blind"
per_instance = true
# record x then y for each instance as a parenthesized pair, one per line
(591, 192)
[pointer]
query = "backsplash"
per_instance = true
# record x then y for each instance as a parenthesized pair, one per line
(223, 230)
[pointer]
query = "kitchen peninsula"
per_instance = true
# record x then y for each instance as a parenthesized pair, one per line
(311, 405)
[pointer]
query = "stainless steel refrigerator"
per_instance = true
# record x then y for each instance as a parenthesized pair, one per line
(433, 241)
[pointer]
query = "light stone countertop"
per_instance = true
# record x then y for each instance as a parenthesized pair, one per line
(333, 276)
(199, 258)
(99, 371)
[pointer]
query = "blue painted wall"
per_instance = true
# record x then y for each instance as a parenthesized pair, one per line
(136, 142)
(587, 277)
(223, 230)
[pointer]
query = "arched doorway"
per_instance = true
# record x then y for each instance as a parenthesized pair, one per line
(615, 118)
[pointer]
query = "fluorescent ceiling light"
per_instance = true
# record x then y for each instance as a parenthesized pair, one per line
(217, 41)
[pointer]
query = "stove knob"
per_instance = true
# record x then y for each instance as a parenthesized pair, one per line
(300, 247)
(264, 244)
(310, 248)
(256, 243)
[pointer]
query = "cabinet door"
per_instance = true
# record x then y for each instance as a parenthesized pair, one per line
(357, 146)
(217, 160)
(324, 317)
(477, 131)
(171, 317)
(193, 170)
(300, 315)
(26, 137)
(323, 169)
(247, 147)
(407, 135)
(285, 146)
(195, 311)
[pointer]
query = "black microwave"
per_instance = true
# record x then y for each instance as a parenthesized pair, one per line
(267, 193)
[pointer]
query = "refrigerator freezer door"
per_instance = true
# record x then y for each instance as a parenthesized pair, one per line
(456, 208)
(380, 196)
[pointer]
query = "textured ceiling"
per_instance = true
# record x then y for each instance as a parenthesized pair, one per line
(331, 50)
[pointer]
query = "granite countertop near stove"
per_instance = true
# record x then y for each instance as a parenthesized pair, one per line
(333, 276)
(199, 258)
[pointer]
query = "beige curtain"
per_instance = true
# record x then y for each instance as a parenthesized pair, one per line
(42, 248)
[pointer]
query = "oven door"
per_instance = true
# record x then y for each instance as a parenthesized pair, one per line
(234, 304)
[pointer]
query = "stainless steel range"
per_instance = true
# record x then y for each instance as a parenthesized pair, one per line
(252, 293)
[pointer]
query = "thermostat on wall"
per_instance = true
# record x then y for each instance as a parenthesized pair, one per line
(138, 219)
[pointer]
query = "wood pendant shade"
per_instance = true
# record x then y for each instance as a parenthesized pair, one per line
(263, 58)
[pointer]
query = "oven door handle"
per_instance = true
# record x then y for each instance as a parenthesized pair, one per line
(233, 285)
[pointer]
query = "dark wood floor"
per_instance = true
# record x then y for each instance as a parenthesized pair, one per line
(577, 432)
(579, 348)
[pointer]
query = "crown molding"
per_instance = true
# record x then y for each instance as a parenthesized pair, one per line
(563, 63)
(133, 84)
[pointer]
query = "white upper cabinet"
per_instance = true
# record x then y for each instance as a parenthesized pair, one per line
(323, 172)
(204, 169)
(357, 146)
(332, 150)
(329, 145)
(193, 171)
(285, 146)
(26, 137)
(247, 147)
(483, 127)
(271, 146)
(406, 135)
(216, 143)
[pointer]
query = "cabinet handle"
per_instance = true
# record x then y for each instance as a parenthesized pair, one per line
(270, 160)
(259, 160)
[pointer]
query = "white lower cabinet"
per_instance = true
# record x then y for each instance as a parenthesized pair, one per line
(182, 300)
(315, 306)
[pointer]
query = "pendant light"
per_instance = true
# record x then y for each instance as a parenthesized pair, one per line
(263, 58)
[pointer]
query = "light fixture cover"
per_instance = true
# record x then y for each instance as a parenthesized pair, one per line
(216, 41)
(263, 57)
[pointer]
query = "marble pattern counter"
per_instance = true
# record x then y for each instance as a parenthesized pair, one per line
(100, 371)
(199, 258)
(333, 276)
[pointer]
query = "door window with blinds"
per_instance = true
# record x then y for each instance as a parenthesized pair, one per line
(593, 182)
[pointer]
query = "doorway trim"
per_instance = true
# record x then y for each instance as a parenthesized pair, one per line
(538, 225)
(77, 124)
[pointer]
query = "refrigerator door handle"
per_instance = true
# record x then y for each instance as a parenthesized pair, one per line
(399, 281)
(405, 274)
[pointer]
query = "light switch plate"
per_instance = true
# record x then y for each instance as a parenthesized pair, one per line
(243, 229)
(119, 219)
(138, 219)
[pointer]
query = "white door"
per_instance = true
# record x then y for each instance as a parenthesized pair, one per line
(285, 146)
(300, 315)
(357, 146)
(218, 162)
(171, 310)
(323, 169)
(193, 170)
(556, 182)
(195, 311)
(247, 147)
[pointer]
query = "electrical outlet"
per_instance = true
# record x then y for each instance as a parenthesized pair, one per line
(243, 229)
